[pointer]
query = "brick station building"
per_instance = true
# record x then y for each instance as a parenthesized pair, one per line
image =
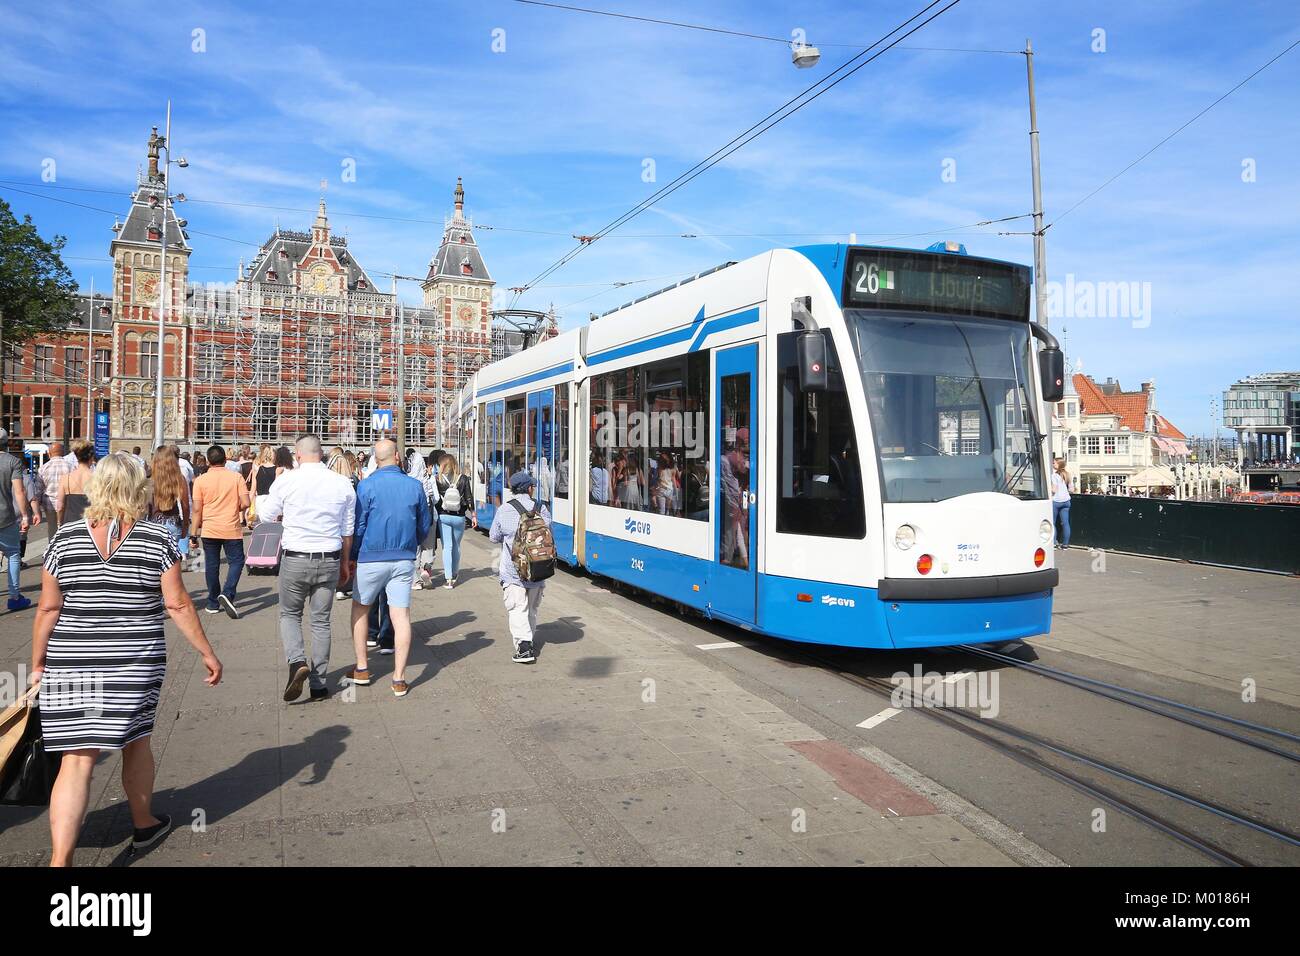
(303, 341)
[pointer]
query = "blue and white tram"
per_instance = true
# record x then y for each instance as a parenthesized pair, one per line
(831, 444)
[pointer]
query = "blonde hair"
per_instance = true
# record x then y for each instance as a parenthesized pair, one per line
(450, 468)
(117, 489)
(341, 464)
(266, 456)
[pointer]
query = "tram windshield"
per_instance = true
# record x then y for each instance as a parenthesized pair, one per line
(949, 400)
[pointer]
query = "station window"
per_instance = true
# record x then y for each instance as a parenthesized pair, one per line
(11, 416)
(207, 421)
(819, 476)
(318, 416)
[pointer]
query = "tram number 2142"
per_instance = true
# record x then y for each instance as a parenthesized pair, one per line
(638, 564)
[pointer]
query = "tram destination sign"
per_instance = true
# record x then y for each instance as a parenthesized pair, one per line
(937, 282)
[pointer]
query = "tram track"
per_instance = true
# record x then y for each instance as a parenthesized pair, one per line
(1026, 749)
(1151, 703)
(1053, 759)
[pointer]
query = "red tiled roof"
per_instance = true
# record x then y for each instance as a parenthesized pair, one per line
(1131, 407)
(1167, 428)
(1093, 401)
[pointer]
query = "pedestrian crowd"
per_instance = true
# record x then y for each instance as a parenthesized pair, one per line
(365, 527)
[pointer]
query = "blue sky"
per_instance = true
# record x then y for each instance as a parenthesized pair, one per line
(551, 136)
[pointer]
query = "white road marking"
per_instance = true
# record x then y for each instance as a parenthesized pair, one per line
(718, 646)
(960, 675)
(879, 718)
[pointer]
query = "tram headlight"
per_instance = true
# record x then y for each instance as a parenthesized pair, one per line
(904, 537)
(1045, 530)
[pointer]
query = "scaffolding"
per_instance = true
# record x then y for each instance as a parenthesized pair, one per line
(269, 364)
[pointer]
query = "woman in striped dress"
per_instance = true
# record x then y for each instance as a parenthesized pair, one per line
(99, 651)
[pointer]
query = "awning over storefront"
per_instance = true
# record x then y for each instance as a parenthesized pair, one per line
(1171, 446)
(1152, 477)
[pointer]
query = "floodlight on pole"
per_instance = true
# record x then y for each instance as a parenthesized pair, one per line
(804, 55)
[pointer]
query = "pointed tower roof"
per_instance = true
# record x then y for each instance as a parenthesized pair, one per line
(458, 256)
(320, 230)
(143, 225)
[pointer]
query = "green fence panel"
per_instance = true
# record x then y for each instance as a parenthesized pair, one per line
(1265, 537)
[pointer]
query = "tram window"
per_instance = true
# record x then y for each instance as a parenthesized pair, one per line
(497, 477)
(562, 441)
(533, 452)
(819, 475)
(649, 438)
(694, 472)
(544, 454)
(480, 444)
(618, 474)
(514, 443)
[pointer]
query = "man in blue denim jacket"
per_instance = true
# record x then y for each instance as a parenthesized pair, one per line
(392, 519)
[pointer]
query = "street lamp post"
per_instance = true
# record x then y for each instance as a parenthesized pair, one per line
(163, 294)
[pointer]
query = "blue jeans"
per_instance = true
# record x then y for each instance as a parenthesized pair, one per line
(381, 622)
(212, 547)
(1061, 520)
(10, 545)
(451, 528)
(179, 538)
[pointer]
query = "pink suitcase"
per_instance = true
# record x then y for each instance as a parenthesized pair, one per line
(264, 548)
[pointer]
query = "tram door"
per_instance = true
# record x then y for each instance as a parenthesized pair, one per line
(541, 444)
(733, 584)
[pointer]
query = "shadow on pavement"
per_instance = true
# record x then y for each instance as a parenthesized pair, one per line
(228, 791)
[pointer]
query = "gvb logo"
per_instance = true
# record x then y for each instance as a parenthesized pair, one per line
(76, 909)
(636, 527)
(830, 600)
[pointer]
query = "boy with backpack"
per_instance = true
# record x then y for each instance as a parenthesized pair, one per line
(523, 527)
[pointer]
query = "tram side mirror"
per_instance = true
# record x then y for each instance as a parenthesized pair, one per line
(811, 347)
(1051, 373)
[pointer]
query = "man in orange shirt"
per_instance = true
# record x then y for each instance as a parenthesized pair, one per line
(220, 500)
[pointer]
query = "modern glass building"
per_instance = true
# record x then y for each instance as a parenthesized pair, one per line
(1264, 411)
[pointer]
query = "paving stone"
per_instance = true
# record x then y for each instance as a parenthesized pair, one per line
(656, 815)
(614, 756)
(589, 767)
(404, 843)
(751, 846)
(509, 836)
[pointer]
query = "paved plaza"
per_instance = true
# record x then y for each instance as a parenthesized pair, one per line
(624, 744)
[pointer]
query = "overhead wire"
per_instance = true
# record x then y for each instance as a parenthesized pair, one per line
(1171, 135)
(772, 119)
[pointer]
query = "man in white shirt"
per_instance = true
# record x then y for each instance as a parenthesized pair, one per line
(187, 469)
(318, 508)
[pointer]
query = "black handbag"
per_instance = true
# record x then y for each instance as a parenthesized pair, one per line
(28, 774)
